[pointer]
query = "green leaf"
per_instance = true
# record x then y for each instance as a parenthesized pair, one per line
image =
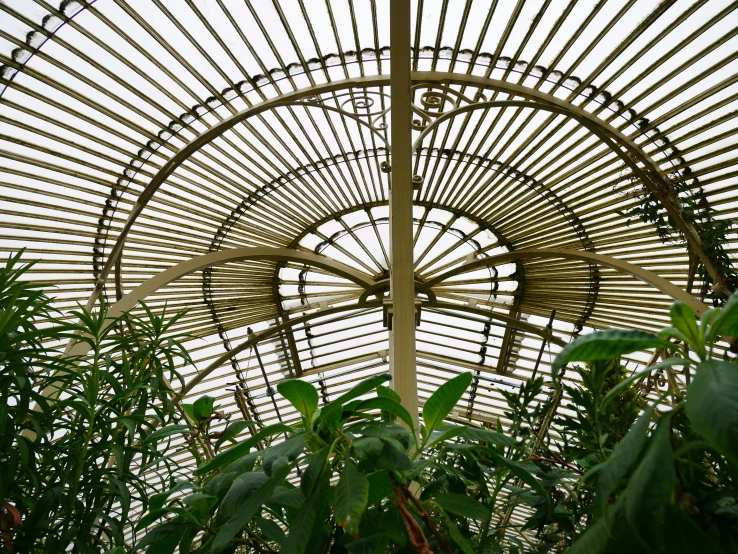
(233, 430)
(386, 392)
(301, 529)
(462, 505)
(315, 469)
(352, 494)
(166, 432)
(491, 437)
(683, 318)
(610, 396)
(235, 452)
(303, 396)
(621, 460)
(331, 412)
(270, 529)
(387, 405)
(605, 345)
(441, 402)
(203, 407)
(247, 511)
(522, 474)
(712, 406)
(464, 543)
(380, 487)
(683, 535)
(593, 540)
(726, 322)
(651, 486)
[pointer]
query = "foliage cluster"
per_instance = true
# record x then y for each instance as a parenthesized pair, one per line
(589, 464)
(73, 429)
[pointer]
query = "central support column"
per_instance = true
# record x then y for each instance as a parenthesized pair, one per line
(402, 281)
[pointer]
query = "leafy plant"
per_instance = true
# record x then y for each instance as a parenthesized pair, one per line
(74, 450)
(669, 484)
(352, 476)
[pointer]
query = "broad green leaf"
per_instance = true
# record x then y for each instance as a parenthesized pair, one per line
(380, 486)
(462, 505)
(712, 406)
(387, 405)
(166, 432)
(592, 541)
(352, 494)
(270, 529)
(726, 322)
(682, 534)
(315, 469)
(393, 457)
(683, 318)
(203, 407)
(331, 412)
(235, 452)
(651, 486)
(621, 460)
(445, 433)
(250, 508)
(240, 489)
(491, 437)
(301, 529)
(233, 430)
(463, 543)
(303, 396)
(441, 402)
(386, 392)
(606, 345)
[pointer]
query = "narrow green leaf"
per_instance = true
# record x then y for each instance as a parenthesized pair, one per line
(352, 494)
(166, 432)
(462, 505)
(726, 322)
(491, 437)
(303, 396)
(301, 529)
(621, 460)
(235, 452)
(522, 474)
(250, 508)
(315, 469)
(651, 486)
(712, 406)
(441, 402)
(605, 345)
(270, 529)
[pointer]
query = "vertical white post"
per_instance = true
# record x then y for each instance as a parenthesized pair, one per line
(402, 280)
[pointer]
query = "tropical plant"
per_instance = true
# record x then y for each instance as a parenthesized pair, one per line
(670, 484)
(74, 454)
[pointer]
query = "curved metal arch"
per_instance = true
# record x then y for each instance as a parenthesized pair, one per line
(266, 333)
(613, 139)
(264, 253)
(206, 137)
(664, 285)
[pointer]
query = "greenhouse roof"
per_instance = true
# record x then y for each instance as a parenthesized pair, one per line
(571, 162)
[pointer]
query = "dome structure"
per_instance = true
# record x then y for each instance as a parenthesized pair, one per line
(289, 172)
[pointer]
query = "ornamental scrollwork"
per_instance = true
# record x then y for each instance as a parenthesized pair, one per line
(433, 101)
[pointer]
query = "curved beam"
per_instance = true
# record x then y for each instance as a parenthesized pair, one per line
(611, 136)
(266, 333)
(205, 138)
(625, 148)
(265, 253)
(664, 285)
